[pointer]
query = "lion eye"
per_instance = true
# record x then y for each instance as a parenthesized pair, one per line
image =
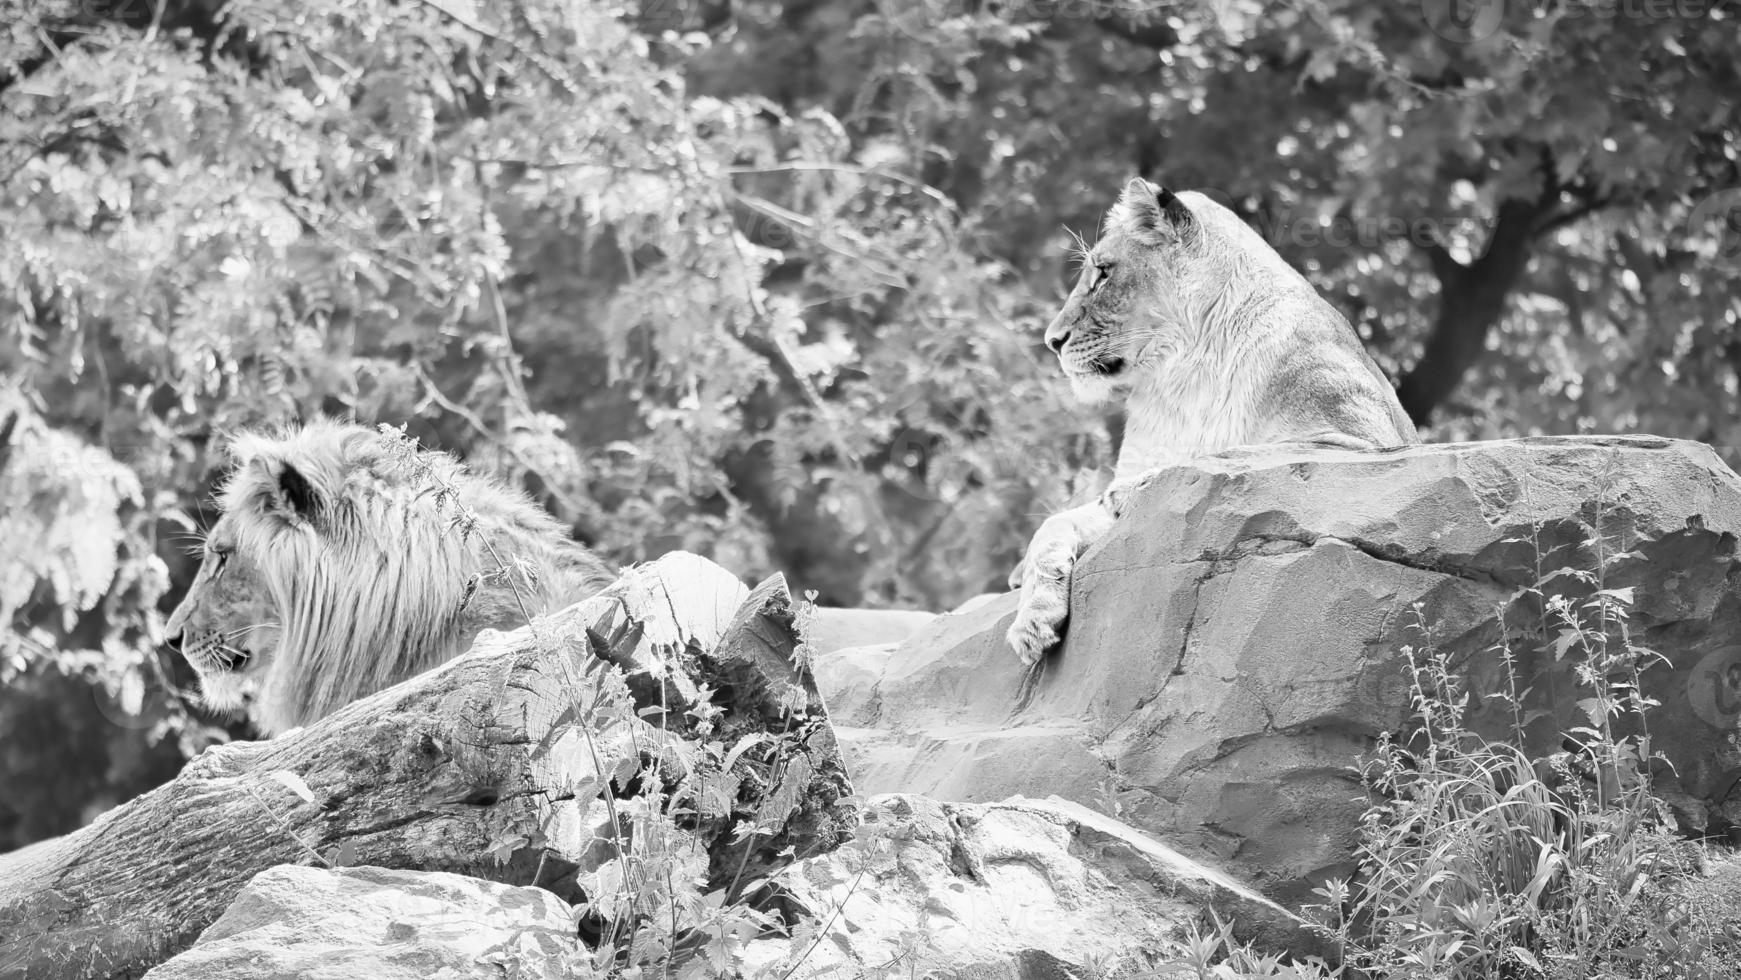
(1101, 271)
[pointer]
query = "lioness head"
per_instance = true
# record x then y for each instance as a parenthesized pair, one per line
(1132, 304)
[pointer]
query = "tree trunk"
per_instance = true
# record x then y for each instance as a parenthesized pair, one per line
(515, 762)
(1472, 298)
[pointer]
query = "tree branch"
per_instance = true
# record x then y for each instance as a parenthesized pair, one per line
(1154, 34)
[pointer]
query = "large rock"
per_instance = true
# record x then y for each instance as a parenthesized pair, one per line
(830, 629)
(1020, 890)
(1234, 644)
(345, 923)
(1005, 891)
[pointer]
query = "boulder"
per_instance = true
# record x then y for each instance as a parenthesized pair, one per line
(829, 629)
(1006, 891)
(1236, 642)
(1019, 889)
(344, 923)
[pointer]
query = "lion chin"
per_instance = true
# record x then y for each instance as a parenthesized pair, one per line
(228, 692)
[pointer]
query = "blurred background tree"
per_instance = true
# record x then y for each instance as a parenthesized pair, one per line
(766, 281)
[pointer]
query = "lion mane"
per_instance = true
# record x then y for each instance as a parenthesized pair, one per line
(345, 560)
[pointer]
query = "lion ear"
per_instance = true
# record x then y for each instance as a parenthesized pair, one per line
(285, 493)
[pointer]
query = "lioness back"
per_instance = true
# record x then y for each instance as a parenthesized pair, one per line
(345, 560)
(1325, 383)
(1211, 341)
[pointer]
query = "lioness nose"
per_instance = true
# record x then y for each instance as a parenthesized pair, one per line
(1057, 340)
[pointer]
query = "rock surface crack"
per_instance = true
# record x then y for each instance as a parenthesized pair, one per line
(1265, 544)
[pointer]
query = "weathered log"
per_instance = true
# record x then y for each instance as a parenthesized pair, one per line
(521, 762)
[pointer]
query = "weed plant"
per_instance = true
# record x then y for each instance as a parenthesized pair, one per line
(649, 911)
(1477, 860)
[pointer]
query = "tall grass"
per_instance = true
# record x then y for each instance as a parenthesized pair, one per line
(1480, 860)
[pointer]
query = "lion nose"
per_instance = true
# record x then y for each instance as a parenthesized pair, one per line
(1057, 340)
(175, 631)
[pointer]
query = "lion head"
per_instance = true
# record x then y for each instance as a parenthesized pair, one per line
(1161, 261)
(345, 561)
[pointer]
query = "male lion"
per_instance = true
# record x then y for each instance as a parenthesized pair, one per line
(345, 561)
(1213, 341)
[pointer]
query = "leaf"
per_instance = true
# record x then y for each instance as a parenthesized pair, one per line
(1621, 595)
(344, 855)
(294, 783)
(132, 693)
(744, 745)
(1527, 958)
(624, 770)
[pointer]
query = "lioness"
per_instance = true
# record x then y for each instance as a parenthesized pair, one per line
(345, 561)
(1213, 341)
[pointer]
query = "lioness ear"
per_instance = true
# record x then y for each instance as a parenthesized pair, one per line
(1153, 208)
(1178, 215)
(285, 493)
(1140, 204)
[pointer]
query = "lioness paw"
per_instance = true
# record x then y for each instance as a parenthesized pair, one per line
(1044, 575)
(1035, 629)
(1030, 639)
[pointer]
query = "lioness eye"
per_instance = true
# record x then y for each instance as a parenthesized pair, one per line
(1101, 270)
